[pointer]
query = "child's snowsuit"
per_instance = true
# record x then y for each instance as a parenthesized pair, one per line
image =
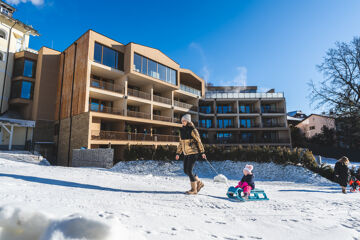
(247, 183)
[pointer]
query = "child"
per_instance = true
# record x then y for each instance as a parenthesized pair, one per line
(247, 181)
(355, 180)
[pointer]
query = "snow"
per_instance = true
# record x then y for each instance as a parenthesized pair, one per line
(332, 161)
(145, 200)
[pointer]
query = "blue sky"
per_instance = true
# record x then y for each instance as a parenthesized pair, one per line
(270, 44)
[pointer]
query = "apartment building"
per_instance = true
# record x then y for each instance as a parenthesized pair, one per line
(113, 94)
(15, 131)
(240, 115)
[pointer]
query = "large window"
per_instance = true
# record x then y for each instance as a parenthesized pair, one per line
(24, 67)
(154, 69)
(22, 89)
(224, 109)
(224, 123)
(246, 108)
(205, 123)
(246, 123)
(100, 106)
(205, 109)
(108, 57)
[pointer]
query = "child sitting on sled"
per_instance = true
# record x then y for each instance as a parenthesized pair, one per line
(247, 181)
(355, 180)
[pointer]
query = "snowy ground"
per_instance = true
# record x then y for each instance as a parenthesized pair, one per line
(146, 200)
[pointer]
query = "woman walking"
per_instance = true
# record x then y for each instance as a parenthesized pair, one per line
(190, 145)
(342, 173)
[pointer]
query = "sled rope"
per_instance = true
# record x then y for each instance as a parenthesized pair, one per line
(227, 184)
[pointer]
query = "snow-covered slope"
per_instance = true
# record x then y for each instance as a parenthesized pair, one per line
(151, 204)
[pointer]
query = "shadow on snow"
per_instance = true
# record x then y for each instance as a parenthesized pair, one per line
(81, 185)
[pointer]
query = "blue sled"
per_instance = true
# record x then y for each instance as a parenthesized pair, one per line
(255, 194)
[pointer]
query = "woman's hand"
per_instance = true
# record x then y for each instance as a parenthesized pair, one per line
(177, 157)
(203, 156)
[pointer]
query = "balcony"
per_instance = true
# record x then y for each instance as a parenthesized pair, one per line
(139, 94)
(226, 112)
(204, 125)
(206, 110)
(111, 135)
(162, 118)
(138, 114)
(227, 126)
(107, 86)
(190, 90)
(210, 95)
(176, 120)
(183, 105)
(273, 110)
(246, 141)
(109, 110)
(250, 126)
(160, 99)
(273, 125)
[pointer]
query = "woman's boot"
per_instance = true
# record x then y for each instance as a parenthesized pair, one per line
(200, 184)
(193, 190)
(343, 190)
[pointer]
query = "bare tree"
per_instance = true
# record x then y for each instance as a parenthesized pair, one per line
(339, 91)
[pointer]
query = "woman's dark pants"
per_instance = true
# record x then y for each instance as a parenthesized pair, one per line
(189, 163)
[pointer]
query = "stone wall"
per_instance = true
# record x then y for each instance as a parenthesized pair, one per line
(101, 157)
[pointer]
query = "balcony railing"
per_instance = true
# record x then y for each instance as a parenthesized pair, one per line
(227, 126)
(249, 111)
(226, 112)
(138, 114)
(245, 141)
(190, 90)
(243, 95)
(109, 110)
(160, 99)
(273, 110)
(269, 125)
(250, 126)
(112, 135)
(162, 118)
(107, 86)
(205, 110)
(183, 105)
(176, 120)
(204, 125)
(139, 94)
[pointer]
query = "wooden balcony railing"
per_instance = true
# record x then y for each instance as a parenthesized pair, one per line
(183, 105)
(138, 114)
(112, 135)
(110, 110)
(160, 99)
(176, 120)
(107, 86)
(161, 118)
(139, 94)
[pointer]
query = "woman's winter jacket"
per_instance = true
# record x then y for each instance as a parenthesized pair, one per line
(342, 174)
(190, 142)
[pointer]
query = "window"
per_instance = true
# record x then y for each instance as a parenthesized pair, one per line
(312, 127)
(24, 67)
(224, 123)
(18, 44)
(245, 108)
(108, 57)
(100, 106)
(137, 62)
(1, 56)
(162, 72)
(22, 89)
(205, 109)
(28, 68)
(224, 109)
(245, 123)
(206, 123)
(2, 34)
(154, 69)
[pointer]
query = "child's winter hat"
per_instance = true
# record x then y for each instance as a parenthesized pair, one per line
(248, 168)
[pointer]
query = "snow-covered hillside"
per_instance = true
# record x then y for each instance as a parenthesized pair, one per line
(145, 200)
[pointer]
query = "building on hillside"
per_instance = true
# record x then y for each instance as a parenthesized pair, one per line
(110, 94)
(240, 115)
(15, 132)
(314, 123)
